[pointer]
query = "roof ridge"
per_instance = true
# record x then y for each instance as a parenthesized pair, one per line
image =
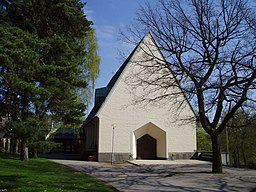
(115, 77)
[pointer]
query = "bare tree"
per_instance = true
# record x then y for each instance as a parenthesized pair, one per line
(210, 49)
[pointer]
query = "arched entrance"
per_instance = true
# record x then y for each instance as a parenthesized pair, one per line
(146, 147)
(149, 142)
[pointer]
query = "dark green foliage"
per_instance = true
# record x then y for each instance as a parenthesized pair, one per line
(18, 56)
(43, 146)
(48, 63)
(239, 140)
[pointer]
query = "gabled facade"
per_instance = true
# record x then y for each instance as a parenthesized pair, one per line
(131, 130)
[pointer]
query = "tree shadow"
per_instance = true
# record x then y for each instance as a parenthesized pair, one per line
(7, 182)
(9, 156)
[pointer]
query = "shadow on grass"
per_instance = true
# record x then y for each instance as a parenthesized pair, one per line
(9, 156)
(44, 175)
(10, 177)
(6, 182)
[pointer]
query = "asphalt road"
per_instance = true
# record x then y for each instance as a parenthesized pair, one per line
(189, 175)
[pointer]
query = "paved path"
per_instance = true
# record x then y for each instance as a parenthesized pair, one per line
(167, 176)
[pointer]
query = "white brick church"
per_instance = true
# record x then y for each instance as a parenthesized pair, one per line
(124, 124)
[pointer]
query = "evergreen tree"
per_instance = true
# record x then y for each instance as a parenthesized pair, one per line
(48, 58)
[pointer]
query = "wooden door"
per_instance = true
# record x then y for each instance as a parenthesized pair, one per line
(146, 147)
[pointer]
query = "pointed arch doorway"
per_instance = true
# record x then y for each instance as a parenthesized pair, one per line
(150, 142)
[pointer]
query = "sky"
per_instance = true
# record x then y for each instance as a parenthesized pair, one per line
(109, 17)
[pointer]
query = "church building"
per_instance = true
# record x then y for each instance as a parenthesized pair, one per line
(133, 118)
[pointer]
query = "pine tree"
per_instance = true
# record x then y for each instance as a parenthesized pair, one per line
(44, 52)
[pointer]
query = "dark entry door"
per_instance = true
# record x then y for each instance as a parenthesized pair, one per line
(146, 147)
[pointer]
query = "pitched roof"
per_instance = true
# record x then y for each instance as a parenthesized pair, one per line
(112, 82)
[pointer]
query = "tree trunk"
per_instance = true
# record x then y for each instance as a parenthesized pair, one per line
(236, 158)
(35, 153)
(14, 145)
(244, 155)
(24, 151)
(216, 156)
(7, 144)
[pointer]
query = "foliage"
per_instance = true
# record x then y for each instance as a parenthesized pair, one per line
(240, 140)
(48, 55)
(203, 140)
(44, 175)
(210, 49)
(18, 57)
(43, 146)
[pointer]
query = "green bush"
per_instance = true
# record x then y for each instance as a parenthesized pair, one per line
(43, 146)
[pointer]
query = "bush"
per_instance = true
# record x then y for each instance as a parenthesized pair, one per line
(44, 146)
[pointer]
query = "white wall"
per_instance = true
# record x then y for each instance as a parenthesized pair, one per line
(120, 108)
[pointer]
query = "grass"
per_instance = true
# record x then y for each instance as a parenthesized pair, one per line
(45, 176)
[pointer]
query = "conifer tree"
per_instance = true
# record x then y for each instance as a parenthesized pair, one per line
(48, 56)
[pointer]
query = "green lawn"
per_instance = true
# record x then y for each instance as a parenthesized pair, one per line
(42, 175)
